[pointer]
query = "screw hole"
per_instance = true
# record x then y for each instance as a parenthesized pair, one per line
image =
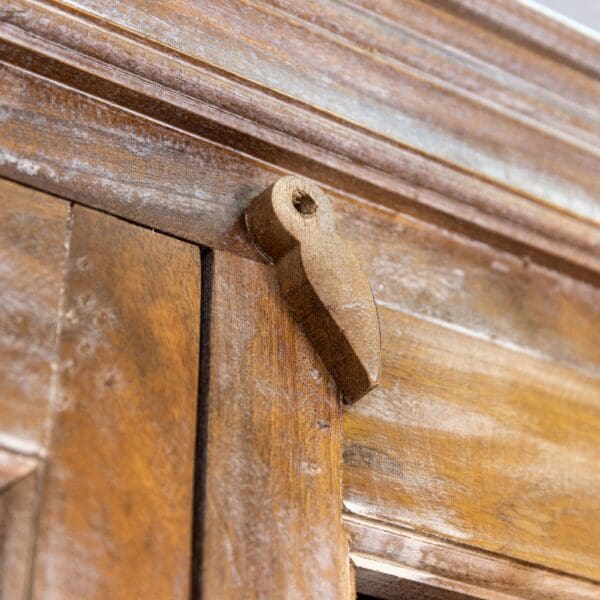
(305, 205)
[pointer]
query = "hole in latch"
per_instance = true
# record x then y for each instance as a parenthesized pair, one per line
(304, 204)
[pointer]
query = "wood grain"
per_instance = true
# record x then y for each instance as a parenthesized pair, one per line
(410, 33)
(273, 502)
(475, 289)
(320, 280)
(458, 142)
(18, 506)
(116, 516)
(389, 559)
(503, 36)
(169, 86)
(531, 28)
(479, 444)
(150, 173)
(386, 581)
(33, 229)
(436, 119)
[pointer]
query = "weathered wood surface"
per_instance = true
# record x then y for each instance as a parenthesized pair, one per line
(337, 75)
(151, 174)
(514, 202)
(484, 320)
(385, 558)
(320, 280)
(272, 505)
(116, 515)
(33, 228)
(478, 58)
(387, 581)
(493, 35)
(480, 444)
(18, 508)
(530, 27)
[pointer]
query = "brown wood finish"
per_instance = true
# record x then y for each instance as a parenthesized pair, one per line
(386, 557)
(531, 29)
(32, 254)
(18, 505)
(428, 39)
(173, 87)
(136, 190)
(321, 281)
(420, 268)
(414, 267)
(380, 96)
(479, 444)
(458, 143)
(272, 516)
(116, 516)
(499, 36)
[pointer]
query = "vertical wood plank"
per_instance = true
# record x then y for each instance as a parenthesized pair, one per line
(32, 253)
(272, 523)
(116, 516)
(18, 493)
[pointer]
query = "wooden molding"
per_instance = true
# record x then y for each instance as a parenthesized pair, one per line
(531, 29)
(385, 557)
(544, 206)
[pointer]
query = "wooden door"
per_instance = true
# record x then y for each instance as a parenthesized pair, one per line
(104, 481)
(99, 385)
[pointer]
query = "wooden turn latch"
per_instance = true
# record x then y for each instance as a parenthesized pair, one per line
(321, 280)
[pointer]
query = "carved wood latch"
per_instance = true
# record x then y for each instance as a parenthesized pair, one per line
(321, 280)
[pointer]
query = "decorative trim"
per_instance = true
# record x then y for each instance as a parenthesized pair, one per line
(385, 555)
(142, 75)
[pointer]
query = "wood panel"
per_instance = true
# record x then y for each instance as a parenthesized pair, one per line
(33, 227)
(78, 50)
(380, 96)
(272, 517)
(389, 560)
(479, 444)
(18, 509)
(151, 173)
(116, 516)
(474, 289)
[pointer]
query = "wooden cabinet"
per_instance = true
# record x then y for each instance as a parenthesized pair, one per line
(167, 430)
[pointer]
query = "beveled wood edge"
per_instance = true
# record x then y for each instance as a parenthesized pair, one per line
(446, 54)
(15, 467)
(385, 580)
(534, 28)
(383, 553)
(59, 46)
(19, 521)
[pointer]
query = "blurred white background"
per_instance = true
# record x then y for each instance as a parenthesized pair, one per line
(584, 12)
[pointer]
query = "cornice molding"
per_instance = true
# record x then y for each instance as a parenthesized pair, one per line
(102, 59)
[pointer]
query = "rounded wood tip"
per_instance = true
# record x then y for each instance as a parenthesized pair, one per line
(322, 282)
